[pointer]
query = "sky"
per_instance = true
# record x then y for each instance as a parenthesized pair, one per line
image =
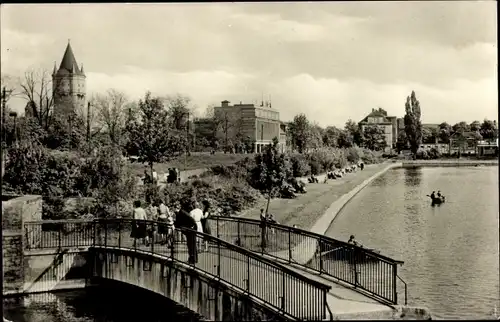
(332, 61)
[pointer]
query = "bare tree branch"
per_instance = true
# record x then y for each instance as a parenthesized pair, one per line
(36, 88)
(112, 111)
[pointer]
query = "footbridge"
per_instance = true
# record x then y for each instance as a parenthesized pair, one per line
(244, 271)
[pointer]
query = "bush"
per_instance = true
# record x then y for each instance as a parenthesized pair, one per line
(422, 155)
(300, 165)
(228, 195)
(434, 153)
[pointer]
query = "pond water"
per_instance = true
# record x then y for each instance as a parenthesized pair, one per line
(451, 251)
(111, 303)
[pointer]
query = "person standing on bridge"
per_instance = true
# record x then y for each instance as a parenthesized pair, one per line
(185, 221)
(139, 224)
(204, 221)
(197, 215)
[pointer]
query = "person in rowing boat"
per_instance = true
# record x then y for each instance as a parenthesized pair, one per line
(439, 194)
(433, 195)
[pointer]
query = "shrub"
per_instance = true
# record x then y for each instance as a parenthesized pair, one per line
(422, 155)
(300, 165)
(227, 194)
(434, 154)
(352, 155)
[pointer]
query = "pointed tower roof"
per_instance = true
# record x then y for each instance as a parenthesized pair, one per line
(68, 63)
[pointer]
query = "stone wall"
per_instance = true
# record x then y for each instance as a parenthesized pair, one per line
(189, 287)
(15, 212)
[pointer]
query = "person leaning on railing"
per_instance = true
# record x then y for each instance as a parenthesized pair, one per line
(184, 220)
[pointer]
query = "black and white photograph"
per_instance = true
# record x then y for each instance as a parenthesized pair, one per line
(249, 161)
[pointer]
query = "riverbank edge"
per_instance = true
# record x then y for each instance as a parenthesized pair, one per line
(448, 163)
(324, 222)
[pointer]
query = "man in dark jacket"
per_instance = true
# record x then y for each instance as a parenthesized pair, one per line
(183, 220)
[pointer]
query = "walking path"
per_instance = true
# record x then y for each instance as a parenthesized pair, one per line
(307, 208)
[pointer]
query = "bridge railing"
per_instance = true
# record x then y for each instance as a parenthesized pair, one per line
(287, 291)
(365, 269)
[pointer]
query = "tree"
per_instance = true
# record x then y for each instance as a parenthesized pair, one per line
(461, 127)
(299, 131)
(475, 126)
(331, 137)
(352, 129)
(179, 110)
(36, 89)
(413, 125)
(374, 138)
(272, 171)
(315, 136)
(444, 132)
(149, 134)
(427, 136)
(489, 130)
(214, 123)
(111, 112)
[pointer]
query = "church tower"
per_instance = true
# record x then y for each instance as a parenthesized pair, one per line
(68, 85)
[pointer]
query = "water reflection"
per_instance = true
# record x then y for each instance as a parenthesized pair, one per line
(113, 302)
(451, 252)
(413, 176)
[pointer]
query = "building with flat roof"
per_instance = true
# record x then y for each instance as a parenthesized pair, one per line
(258, 123)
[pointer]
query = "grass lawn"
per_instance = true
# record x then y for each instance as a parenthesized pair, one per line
(197, 160)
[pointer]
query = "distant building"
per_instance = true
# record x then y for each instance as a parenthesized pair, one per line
(487, 148)
(259, 123)
(68, 85)
(465, 143)
(388, 123)
(443, 148)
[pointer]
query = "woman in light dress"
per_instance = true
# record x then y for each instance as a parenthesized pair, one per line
(197, 215)
(204, 220)
(152, 215)
(139, 224)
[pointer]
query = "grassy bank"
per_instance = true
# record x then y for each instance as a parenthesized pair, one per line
(306, 209)
(194, 161)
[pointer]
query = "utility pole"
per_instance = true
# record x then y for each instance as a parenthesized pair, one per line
(225, 116)
(88, 125)
(4, 105)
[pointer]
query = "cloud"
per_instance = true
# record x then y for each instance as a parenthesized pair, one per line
(333, 60)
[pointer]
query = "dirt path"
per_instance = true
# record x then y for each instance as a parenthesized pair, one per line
(306, 209)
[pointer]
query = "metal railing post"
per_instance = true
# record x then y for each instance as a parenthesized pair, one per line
(283, 290)
(59, 237)
(394, 282)
(217, 226)
(120, 234)
(289, 245)
(218, 258)
(106, 234)
(248, 274)
(239, 234)
(318, 251)
(152, 237)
